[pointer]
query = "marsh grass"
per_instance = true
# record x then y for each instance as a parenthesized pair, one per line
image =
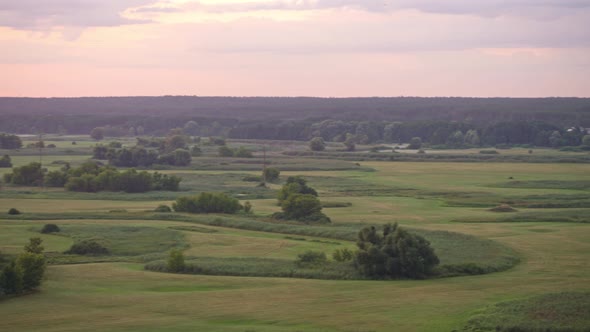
(568, 311)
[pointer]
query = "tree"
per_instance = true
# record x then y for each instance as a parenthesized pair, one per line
(298, 206)
(271, 174)
(34, 246)
(225, 151)
(472, 138)
(196, 151)
(97, 133)
(349, 143)
(191, 128)
(182, 157)
(317, 144)
(394, 253)
(10, 142)
(33, 267)
(415, 143)
(295, 185)
(455, 139)
(175, 261)
(5, 161)
(11, 279)
(175, 142)
(555, 139)
(27, 175)
(242, 152)
(586, 140)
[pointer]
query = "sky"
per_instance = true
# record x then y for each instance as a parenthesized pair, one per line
(325, 48)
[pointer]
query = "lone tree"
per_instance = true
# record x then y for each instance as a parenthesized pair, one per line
(415, 143)
(97, 133)
(271, 174)
(395, 253)
(317, 144)
(300, 202)
(175, 261)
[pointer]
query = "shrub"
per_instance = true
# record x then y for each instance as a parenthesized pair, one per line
(311, 259)
(489, 152)
(248, 207)
(88, 247)
(252, 178)
(394, 253)
(5, 161)
(50, 228)
(207, 203)
(13, 211)
(503, 208)
(271, 174)
(343, 255)
(163, 208)
(242, 152)
(317, 144)
(175, 262)
(415, 143)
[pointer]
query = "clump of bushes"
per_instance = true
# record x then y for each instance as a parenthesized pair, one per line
(489, 152)
(311, 259)
(207, 203)
(163, 208)
(89, 248)
(50, 228)
(13, 211)
(343, 255)
(503, 208)
(394, 253)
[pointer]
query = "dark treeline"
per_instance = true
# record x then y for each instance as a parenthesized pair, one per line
(153, 113)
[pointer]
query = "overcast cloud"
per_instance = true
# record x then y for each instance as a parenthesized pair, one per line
(294, 47)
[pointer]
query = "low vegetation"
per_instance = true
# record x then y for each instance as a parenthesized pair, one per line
(92, 177)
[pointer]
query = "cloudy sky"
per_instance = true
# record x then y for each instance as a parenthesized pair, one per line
(336, 48)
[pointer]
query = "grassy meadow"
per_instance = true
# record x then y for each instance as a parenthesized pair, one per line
(541, 251)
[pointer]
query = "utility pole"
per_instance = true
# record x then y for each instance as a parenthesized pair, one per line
(264, 164)
(40, 144)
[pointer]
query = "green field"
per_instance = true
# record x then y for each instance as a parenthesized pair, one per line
(541, 250)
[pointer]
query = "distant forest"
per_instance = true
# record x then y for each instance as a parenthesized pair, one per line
(496, 120)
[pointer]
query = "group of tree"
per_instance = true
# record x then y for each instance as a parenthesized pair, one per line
(171, 150)
(10, 142)
(92, 177)
(25, 272)
(208, 203)
(141, 157)
(300, 202)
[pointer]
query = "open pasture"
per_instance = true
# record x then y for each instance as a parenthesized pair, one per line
(118, 295)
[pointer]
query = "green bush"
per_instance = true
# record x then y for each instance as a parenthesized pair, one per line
(175, 261)
(50, 228)
(207, 203)
(343, 255)
(271, 174)
(163, 208)
(89, 248)
(489, 152)
(310, 259)
(393, 254)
